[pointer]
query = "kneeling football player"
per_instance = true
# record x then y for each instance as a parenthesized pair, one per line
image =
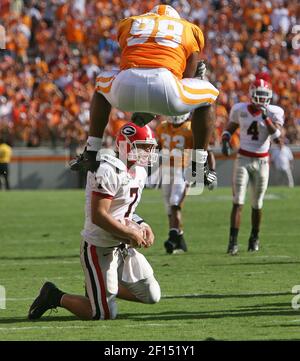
(112, 232)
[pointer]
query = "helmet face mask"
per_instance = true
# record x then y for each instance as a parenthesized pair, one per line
(137, 144)
(143, 153)
(178, 119)
(260, 93)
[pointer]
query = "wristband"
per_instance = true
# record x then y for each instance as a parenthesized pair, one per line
(137, 219)
(276, 134)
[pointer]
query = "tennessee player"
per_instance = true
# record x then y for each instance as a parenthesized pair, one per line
(112, 266)
(175, 139)
(159, 57)
(259, 123)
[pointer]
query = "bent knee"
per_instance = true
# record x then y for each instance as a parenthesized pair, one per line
(154, 293)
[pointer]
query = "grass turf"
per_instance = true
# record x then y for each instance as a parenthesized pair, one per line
(206, 293)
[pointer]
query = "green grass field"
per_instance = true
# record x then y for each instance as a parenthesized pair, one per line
(205, 293)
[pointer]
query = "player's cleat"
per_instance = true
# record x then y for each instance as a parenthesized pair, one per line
(142, 119)
(181, 245)
(169, 246)
(253, 245)
(46, 300)
(86, 161)
(232, 248)
(175, 243)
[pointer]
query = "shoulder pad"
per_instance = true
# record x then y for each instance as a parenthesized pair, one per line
(116, 162)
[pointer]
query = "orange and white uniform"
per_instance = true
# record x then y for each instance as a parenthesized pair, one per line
(176, 143)
(155, 47)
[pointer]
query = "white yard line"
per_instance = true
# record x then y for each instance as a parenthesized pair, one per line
(42, 278)
(21, 263)
(21, 328)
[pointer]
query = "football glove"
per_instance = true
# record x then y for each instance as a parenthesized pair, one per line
(210, 177)
(85, 161)
(201, 70)
(226, 147)
(264, 112)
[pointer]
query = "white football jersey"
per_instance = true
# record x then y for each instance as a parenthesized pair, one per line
(254, 136)
(124, 187)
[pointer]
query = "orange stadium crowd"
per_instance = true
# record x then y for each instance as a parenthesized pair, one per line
(55, 48)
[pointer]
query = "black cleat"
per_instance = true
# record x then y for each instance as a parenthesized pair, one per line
(253, 245)
(84, 162)
(232, 248)
(46, 300)
(176, 243)
(181, 244)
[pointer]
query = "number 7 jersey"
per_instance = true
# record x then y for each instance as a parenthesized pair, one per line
(158, 41)
(122, 186)
(254, 136)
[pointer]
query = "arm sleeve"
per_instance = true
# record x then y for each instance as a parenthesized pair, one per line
(123, 31)
(278, 117)
(234, 116)
(106, 181)
(198, 43)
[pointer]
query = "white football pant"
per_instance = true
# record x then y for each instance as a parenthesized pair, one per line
(103, 268)
(254, 171)
(173, 187)
(155, 91)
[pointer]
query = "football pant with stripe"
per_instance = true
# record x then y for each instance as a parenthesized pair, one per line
(103, 268)
(155, 91)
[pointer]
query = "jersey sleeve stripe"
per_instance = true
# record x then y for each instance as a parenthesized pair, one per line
(103, 89)
(102, 195)
(104, 79)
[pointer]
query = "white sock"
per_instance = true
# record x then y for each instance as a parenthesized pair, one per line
(93, 143)
(200, 156)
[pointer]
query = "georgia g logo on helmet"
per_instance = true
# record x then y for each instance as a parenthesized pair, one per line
(128, 130)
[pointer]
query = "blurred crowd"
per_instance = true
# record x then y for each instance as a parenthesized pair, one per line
(55, 48)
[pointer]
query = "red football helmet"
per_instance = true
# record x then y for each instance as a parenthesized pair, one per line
(137, 144)
(260, 92)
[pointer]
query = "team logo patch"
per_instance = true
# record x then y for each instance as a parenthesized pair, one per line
(128, 130)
